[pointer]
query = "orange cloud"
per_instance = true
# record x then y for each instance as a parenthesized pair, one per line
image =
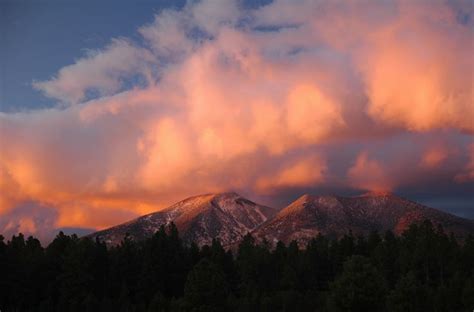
(303, 173)
(311, 115)
(434, 157)
(369, 174)
(416, 70)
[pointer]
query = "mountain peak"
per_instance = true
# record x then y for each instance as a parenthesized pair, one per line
(304, 198)
(225, 216)
(230, 194)
(211, 196)
(335, 216)
(377, 194)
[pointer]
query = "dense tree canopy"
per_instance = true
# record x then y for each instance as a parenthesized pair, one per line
(422, 270)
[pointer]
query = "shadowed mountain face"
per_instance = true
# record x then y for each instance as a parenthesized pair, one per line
(228, 217)
(335, 216)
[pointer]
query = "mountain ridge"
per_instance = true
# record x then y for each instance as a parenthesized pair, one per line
(229, 216)
(333, 216)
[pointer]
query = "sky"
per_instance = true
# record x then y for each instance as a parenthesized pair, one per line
(113, 109)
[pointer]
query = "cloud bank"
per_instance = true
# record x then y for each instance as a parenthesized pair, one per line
(216, 96)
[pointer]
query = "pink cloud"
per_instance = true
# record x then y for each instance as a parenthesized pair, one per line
(434, 157)
(307, 172)
(369, 174)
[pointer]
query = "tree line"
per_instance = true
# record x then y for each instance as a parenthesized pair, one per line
(424, 269)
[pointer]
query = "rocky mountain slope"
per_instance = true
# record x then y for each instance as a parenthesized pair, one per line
(226, 216)
(334, 216)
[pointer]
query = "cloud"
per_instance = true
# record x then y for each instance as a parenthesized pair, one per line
(468, 171)
(216, 97)
(369, 174)
(302, 173)
(212, 15)
(29, 218)
(414, 81)
(434, 157)
(100, 71)
(167, 35)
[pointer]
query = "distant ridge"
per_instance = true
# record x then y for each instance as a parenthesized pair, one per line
(229, 216)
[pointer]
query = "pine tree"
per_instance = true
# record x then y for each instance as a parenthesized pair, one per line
(206, 288)
(360, 287)
(409, 295)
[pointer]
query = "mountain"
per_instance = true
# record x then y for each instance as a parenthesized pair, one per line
(334, 216)
(228, 217)
(225, 216)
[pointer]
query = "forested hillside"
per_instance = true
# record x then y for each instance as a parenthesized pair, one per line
(423, 269)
